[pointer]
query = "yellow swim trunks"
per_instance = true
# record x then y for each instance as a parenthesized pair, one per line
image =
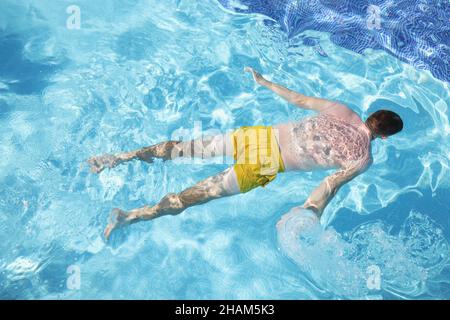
(257, 155)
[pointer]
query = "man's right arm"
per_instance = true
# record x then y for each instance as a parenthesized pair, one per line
(322, 195)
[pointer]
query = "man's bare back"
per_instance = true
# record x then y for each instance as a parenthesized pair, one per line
(326, 141)
(335, 138)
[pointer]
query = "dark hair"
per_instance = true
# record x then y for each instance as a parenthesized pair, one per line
(385, 122)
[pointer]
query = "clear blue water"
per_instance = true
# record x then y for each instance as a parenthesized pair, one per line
(414, 31)
(137, 71)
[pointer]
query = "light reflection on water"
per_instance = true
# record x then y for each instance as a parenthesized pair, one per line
(129, 78)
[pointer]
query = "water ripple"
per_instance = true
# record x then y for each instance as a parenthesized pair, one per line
(132, 77)
(416, 32)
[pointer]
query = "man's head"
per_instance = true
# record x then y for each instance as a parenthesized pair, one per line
(384, 123)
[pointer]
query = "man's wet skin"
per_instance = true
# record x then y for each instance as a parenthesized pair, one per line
(336, 138)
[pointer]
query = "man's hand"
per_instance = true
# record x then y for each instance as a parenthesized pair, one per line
(313, 208)
(259, 79)
(298, 99)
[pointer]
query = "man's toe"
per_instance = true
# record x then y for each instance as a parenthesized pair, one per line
(108, 231)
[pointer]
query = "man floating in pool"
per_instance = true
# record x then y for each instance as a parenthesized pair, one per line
(335, 138)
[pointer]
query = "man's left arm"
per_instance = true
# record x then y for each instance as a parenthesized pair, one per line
(310, 103)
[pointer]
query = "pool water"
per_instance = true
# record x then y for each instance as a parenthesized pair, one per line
(138, 72)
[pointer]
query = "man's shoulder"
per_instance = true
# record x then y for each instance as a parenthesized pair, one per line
(361, 164)
(343, 112)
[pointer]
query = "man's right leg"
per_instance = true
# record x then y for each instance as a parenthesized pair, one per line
(222, 185)
(219, 145)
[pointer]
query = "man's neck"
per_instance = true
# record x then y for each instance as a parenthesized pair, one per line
(369, 131)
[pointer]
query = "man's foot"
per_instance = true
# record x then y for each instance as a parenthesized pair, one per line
(117, 219)
(98, 164)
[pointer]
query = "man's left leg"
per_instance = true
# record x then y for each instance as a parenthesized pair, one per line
(206, 147)
(222, 185)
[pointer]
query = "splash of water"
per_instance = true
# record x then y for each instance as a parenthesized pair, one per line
(346, 265)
